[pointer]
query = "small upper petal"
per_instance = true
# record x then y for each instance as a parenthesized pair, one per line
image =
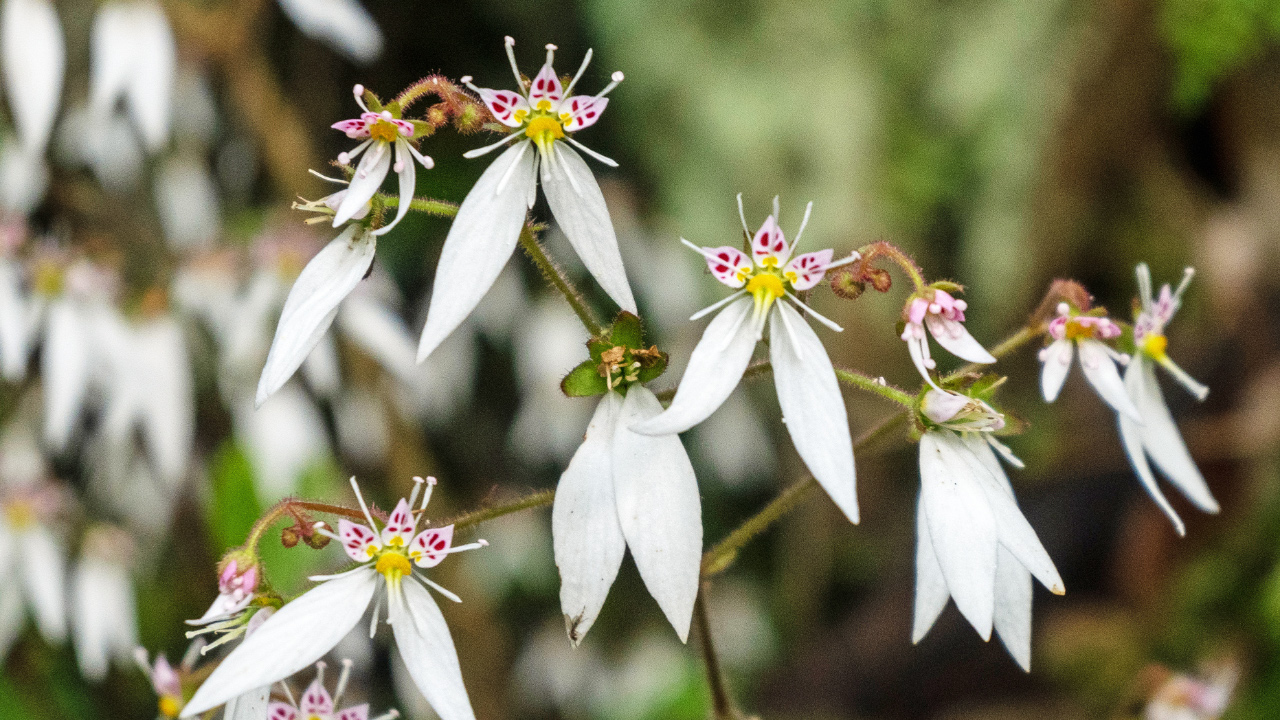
(504, 104)
(807, 270)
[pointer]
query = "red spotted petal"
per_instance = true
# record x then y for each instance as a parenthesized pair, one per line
(356, 712)
(805, 271)
(769, 242)
(504, 104)
(281, 711)
(730, 265)
(431, 546)
(356, 128)
(583, 111)
(358, 541)
(546, 86)
(316, 700)
(399, 525)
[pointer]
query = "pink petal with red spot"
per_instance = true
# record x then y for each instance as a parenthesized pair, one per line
(546, 86)
(353, 128)
(281, 711)
(357, 712)
(725, 262)
(399, 525)
(356, 540)
(504, 104)
(809, 268)
(769, 242)
(316, 700)
(584, 111)
(431, 546)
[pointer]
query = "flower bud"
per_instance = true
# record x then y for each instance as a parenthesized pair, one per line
(960, 412)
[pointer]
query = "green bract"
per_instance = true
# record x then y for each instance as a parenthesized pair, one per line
(618, 359)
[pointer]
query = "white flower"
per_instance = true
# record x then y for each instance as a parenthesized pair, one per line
(960, 412)
(627, 490)
(187, 202)
(380, 132)
(1087, 332)
(803, 375)
(973, 544)
(317, 704)
(19, 313)
(1186, 697)
(487, 227)
(306, 628)
(313, 303)
(103, 617)
(343, 25)
(31, 560)
(134, 57)
(34, 57)
(1157, 436)
(943, 315)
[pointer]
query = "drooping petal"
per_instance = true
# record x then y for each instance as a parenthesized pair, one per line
(408, 182)
(293, 638)
(65, 362)
(962, 528)
(312, 303)
(1057, 361)
(282, 711)
(504, 104)
(398, 531)
(43, 571)
(359, 542)
(343, 25)
(584, 523)
(431, 546)
(16, 324)
(370, 172)
(955, 337)
(252, 705)
(715, 367)
(1013, 607)
(479, 243)
(769, 246)
(546, 86)
(931, 587)
(1131, 438)
(1161, 438)
(1100, 370)
(579, 210)
(812, 406)
(583, 110)
(729, 265)
(658, 509)
(316, 700)
(151, 76)
(807, 270)
(34, 56)
(423, 639)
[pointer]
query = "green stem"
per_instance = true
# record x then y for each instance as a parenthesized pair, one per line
(875, 385)
(1023, 336)
(541, 498)
(557, 279)
(722, 704)
(439, 208)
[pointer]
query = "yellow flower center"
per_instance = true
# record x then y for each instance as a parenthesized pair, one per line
(48, 279)
(384, 131)
(765, 287)
(20, 515)
(170, 706)
(543, 129)
(1155, 345)
(1075, 330)
(393, 565)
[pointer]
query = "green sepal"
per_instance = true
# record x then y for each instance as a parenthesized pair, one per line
(371, 101)
(1013, 425)
(947, 286)
(1126, 342)
(596, 348)
(394, 108)
(422, 128)
(584, 381)
(652, 368)
(984, 388)
(627, 331)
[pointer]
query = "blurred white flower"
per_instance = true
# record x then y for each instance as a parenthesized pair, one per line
(34, 60)
(973, 544)
(32, 558)
(1157, 435)
(361, 422)
(627, 490)
(343, 25)
(24, 177)
(103, 618)
(1185, 697)
(808, 392)
(19, 312)
(187, 202)
(548, 426)
(487, 227)
(108, 146)
(134, 58)
(1069, 331)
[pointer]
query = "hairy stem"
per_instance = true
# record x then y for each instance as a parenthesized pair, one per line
(894, 253)
(540, 498)
(557, 279)
(876, 386)
(439, 208)
(722, 704)
(292, 507)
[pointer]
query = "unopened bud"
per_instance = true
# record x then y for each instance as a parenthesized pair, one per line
(845, 285)
(289, 537)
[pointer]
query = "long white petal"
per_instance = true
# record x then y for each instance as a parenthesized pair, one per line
(931, 587)
(955, 337)
(1100, 370)
(15, 324)
(962, 527)
(103, 622)
(579, 209)
(659, 509)
(34, 56)
(408, 184)
(297, 635)
(427, 650)
(480, 242)
(152, 74)
(43, 575)
(1057, 361)
(313, 300)
(1131, 438)
(584, 523)
(252, 705)
(1015, 532)
(168, 410)
(1013, 607)
(812, 406)
(715, 367)
(65, 361)
(370, 172)
(343, 25)
(1161, 438)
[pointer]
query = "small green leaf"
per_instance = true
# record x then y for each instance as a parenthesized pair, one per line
(372, 101)
(422, 129)
(596, 348)
(627, 331)
(584, 381)
(947, 286)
